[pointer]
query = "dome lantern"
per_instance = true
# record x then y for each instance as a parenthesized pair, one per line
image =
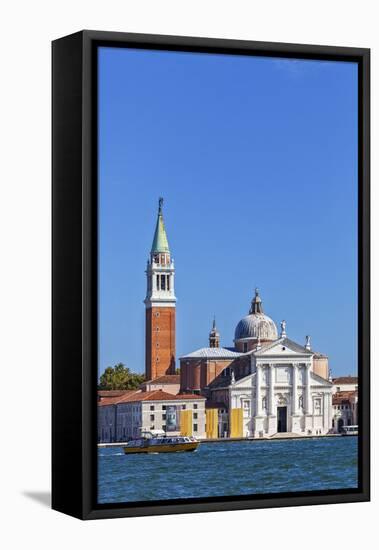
(255, 326)
(256, 303)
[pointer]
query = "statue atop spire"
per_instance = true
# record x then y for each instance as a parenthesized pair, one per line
(160, 203)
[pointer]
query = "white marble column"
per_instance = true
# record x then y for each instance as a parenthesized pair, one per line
(153, 278)
(258, 392)
(308, 404)
(271, 404)
(294, 389)
(328, 412)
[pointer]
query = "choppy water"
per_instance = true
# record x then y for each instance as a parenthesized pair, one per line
(238, 468)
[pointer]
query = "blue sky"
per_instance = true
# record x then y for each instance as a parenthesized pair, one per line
(256, 159)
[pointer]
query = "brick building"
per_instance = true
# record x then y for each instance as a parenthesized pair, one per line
(345, 383)
(121, 418)
(264, 384)
(345, 402)
(160, 304)
(345, 410)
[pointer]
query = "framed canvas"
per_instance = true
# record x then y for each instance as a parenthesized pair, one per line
(236, 376)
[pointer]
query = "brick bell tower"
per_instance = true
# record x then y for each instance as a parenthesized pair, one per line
(160, 305)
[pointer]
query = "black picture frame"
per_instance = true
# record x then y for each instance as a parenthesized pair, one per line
(74, 272)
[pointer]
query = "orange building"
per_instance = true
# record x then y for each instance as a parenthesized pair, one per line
(160, 305)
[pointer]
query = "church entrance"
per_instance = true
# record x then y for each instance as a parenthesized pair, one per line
(282, 419)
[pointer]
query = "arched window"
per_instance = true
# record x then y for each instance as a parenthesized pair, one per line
(163, 282)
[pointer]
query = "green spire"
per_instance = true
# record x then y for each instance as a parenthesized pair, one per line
(160, 242)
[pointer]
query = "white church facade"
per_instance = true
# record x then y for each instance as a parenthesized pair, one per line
(281, 394)
(272, 385)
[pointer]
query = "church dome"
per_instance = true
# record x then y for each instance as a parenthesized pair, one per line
(256, 324)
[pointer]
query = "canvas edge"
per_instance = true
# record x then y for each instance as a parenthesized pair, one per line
(83, 501)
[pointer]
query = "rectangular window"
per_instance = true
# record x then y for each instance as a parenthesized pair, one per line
(163, 407)
(163, 417)
(183, 407)
(195, 406)
(151, 407)
(164, 427)
(195, 416)
(157, 282)
(151, 417)
(195, 427)
(163, 282)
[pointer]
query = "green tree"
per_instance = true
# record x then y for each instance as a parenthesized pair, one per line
(120, 377)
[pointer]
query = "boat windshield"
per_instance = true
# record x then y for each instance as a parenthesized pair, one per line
(349, 429)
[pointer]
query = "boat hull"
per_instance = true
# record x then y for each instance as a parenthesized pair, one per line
(173, 448)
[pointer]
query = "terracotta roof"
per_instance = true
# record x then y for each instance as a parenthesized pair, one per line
(160, 395)
(155, 395)
(112, 393)
(343, 397)
(112, 397)
(107, 401)
(345, 380)
(165, 379)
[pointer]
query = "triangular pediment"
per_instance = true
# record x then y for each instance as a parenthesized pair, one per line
(283, 347)
(244, 382)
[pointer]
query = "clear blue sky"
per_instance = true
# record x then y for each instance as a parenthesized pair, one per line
(256, 159)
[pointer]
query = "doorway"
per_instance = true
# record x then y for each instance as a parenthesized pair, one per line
(340, 425)
(282, 419)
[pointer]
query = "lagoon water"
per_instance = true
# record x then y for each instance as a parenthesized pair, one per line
(233, 468)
